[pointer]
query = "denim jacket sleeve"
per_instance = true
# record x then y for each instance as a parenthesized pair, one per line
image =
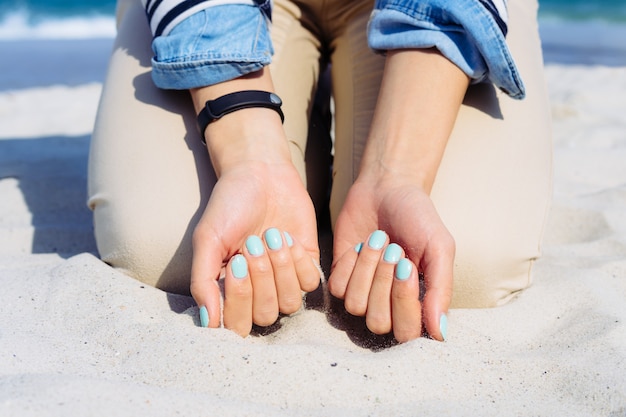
(204, 42)
(471, 33)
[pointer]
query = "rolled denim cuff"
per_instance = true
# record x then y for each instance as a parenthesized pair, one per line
(462, 30)
(213, 45)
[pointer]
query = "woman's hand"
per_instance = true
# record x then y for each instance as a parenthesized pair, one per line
(379, 278)
(260, 223)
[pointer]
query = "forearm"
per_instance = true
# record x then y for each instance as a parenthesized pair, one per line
(243, 136)
(417, 106)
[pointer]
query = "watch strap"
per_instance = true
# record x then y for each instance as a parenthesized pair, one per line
(215, 109)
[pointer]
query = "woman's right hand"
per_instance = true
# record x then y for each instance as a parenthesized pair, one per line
(260, 225)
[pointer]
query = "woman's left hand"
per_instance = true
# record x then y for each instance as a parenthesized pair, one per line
(379, 279)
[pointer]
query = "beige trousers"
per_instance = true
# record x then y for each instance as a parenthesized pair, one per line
(150, 177)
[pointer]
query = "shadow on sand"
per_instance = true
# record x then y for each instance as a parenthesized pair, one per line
(52, 176)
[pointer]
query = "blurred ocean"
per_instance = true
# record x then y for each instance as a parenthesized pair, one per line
(577, 10)
(57, 19)
(583, 32)
(54, 42)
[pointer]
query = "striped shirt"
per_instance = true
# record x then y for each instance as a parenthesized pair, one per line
(163, 15)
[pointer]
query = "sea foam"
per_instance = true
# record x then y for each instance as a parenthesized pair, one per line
(19, 25)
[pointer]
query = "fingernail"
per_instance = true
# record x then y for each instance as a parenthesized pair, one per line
(392, 253)
(377, 239)
(288, 239)
(273, 239)
(254, 244)
(358, 247)
(443, 326)
(403, 269)
(239, 266)
(204, 317)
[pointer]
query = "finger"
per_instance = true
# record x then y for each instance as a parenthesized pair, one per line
(378, 316)
(438, 280)
(357, 292)
(206, 265)
(238, 296)
(340, 275)
(308, 273)
(406, 310)
(264, 297)
(285, 277)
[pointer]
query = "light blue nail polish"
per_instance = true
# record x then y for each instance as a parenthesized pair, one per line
(392, 253)
(288, 239)
(443, 326)
(273, 239)
(377, 239)
(239, 267)
(358, 247)
(254, 244)
(403, 269)
(204, 317)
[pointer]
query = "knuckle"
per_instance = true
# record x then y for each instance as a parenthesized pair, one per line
(298, 256)
(356, 307)
(310, 280)
(446, 244)
(201, 288)
(370, 262)
(265, 307)
(404, 295)
(290, 305)
(335, 289)
(240, 291)
(384, 277)
(195, 289)
(260, 266)
(406, 335)
(310, 284)
(265, 318)
(378, 324)
(199, 236)
(280, 260)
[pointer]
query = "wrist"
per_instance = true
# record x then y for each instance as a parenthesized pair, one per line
(247, 136)
(232, 102)
(399, 161)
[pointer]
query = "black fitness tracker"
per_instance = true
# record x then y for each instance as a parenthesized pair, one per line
(214, 109)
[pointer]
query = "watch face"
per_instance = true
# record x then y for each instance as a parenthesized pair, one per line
(275, 99)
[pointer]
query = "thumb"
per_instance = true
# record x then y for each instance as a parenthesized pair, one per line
(206, 266)
(438, 277)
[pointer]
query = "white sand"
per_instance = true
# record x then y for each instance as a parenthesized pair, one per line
(77, 338)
